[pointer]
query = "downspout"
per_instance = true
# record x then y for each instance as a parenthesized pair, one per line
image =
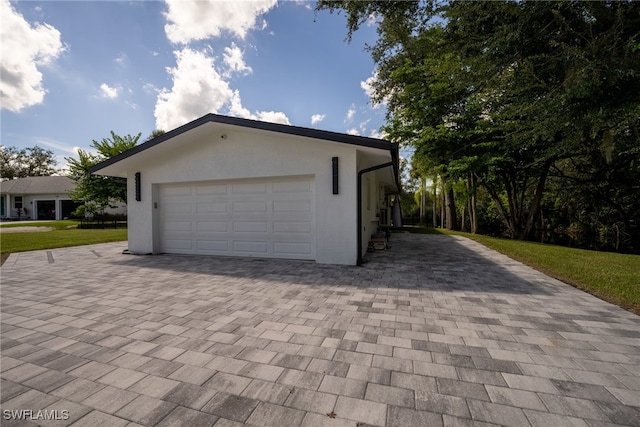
(359, 201)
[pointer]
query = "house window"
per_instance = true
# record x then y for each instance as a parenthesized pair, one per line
(17, 203)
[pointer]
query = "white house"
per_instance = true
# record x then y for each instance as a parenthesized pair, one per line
(41, 198)
(37, 197)
(229, 186)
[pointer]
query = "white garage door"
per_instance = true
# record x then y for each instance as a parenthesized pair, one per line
(271, 218)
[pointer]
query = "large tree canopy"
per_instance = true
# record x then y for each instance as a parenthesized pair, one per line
(514, 95)
(24, 162)
(94, 191)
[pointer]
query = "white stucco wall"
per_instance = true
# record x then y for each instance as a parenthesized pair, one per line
(253, 154)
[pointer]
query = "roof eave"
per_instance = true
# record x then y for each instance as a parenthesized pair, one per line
(252, 124)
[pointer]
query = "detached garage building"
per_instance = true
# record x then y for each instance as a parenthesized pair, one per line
(236, 187)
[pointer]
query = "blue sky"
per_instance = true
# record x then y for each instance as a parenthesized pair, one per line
(73, 71)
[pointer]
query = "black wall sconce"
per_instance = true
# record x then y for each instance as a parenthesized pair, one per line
(334, 167)
(137, 183)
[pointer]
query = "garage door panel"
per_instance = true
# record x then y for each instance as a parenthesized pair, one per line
(221, 246)
(247, 206)
(250, 226)
(206, 207)
(212, 189)
(212, 226)
(292, 187)
(175, 190)
(250, 247)
(292, 205)
(178, 226)
(178, 208)
(292, 249)
(249, 188)
(291, 227)
(269, 218)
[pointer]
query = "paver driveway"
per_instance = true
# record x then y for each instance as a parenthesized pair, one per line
(436, 331)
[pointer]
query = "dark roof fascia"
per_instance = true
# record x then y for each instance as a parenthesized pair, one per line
(254, 124)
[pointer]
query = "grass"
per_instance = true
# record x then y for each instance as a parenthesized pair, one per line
(610, 276)
(65, 234)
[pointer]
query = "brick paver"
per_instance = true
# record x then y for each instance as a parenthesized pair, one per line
(438, 330)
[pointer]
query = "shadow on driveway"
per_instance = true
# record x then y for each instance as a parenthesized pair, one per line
(434, 262)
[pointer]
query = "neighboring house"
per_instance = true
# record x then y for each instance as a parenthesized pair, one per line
(40, 197)
(37, 197)
(229, 186)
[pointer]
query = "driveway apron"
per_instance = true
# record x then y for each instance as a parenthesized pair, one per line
(435, 331)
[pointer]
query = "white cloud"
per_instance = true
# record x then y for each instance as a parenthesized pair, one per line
(367, 86)
(197, 89)
(23, 50)
(188, 21)
(317, 118)
(273, 117)
(372, 19)
(306, 3)
(350, 113)
(149, 87)
(375, 133)
(61, 146)
(236, 109)
(108, 91)
(233, 58)
(353, 131)
(122, 58)
(201, 79)
(363, 126)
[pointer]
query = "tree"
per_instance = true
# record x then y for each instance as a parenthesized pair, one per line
(503, 94)
(94, 191)
(24, 162)
(156, 133)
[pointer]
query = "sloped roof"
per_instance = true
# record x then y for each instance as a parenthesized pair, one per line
(38, 185)
(258, 125)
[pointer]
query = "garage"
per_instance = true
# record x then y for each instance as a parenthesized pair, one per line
(268, 218)
(230, 186)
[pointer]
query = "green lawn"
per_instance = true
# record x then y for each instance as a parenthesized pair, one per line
(610, 276)
(65, 234)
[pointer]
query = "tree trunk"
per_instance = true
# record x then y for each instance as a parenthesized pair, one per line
(506, 218)
(443, 212)
(535, 203)
(423, 202)
(463, 222)
(450, 204)
(435, 200)
(473, 215)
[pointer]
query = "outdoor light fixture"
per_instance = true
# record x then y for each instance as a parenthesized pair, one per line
(334, 167)
(137, 182)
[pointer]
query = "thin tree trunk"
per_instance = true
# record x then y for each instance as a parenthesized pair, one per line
(443, 212)
(537, 199)
(450, 208)
(434, 207)
(463, 223)
(473, 215)
(506, 218)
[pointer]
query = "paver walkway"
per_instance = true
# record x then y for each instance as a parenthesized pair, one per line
(437, 331)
